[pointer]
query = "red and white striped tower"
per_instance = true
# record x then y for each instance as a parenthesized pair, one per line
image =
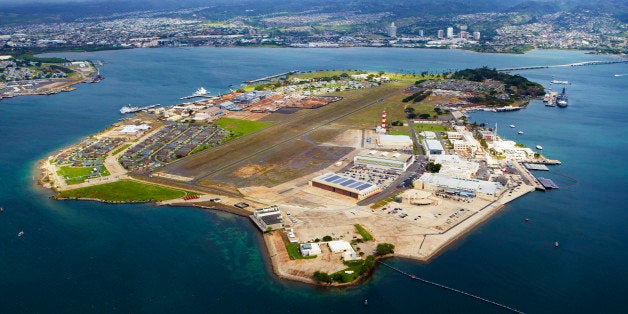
(384, 121)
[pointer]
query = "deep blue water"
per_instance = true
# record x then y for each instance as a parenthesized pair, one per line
(78, 257)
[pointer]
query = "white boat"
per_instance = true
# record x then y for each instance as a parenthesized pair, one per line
(512, 125)
(520, 132)
(560, 82)
(128, 109)
(200, 92)
(21, 233)
(556, 244)
(539, 147)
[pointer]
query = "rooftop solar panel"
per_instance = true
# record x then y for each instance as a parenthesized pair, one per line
(348, 182)
(364, 186)
(333, 178)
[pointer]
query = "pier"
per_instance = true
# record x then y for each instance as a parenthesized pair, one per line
(576, 64)
(413, 277)
(268, 78)
(548, 183)
(537, 167)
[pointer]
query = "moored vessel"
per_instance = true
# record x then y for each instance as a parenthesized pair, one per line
(561, 100)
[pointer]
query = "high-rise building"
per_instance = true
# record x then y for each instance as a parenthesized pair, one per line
(463, 27)
(421, 33)
(476, 35)
(450, 32)
(441, 34)
(392, 30)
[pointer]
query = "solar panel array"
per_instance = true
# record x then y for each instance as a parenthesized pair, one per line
(346, 182)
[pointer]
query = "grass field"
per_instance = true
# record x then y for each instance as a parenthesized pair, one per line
(408, 77)
(125, 191)
(75, 175)
(319, 74)
(366, 236)
(430, 127)
(237, 127)
(293, 252)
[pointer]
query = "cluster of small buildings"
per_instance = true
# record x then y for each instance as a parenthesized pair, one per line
(245, 100)
(89, 152)
(336, 247)
(173, 141)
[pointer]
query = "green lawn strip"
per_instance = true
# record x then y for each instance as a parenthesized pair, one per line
(293, 251)
(75, 175)
(323, 74)
(117, 151)
(73, 172)
(366, 236)
(125, 191)
(431, 127)
(237, 127)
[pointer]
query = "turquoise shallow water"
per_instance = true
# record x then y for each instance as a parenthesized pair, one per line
(90, 257)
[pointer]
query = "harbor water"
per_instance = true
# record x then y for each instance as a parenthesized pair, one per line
(86, 257)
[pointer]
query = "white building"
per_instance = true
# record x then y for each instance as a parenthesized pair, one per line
(384, 160)
(454, 135)
(310, 249)
(392, 30)
(468, 187)
(269, 217)
(344, 247)
(397, 141)
(453, 166)
(432, 147)
(428, 134)
(450, 32)
(132, 128)
(510, 150)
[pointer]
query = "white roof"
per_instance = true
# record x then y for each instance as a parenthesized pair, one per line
(434, 145)
(386, 139)
(131, 128)
(447, 182)
(441, 159)
(339, 246)
(428, 134)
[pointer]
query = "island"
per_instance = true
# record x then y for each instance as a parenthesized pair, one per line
(24, 75)
(336, 169)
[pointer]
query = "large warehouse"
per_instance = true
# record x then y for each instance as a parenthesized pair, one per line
(383, 160)
(345, 185)
(432, 147)
(471, 187)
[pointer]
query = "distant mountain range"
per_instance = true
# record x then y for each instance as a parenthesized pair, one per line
(71, 10)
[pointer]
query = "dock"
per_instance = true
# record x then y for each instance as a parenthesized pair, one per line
(548, 183)
(537, 167)
(270, 77)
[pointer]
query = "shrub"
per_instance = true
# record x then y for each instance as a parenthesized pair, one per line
(322, 277)
(385, 248)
